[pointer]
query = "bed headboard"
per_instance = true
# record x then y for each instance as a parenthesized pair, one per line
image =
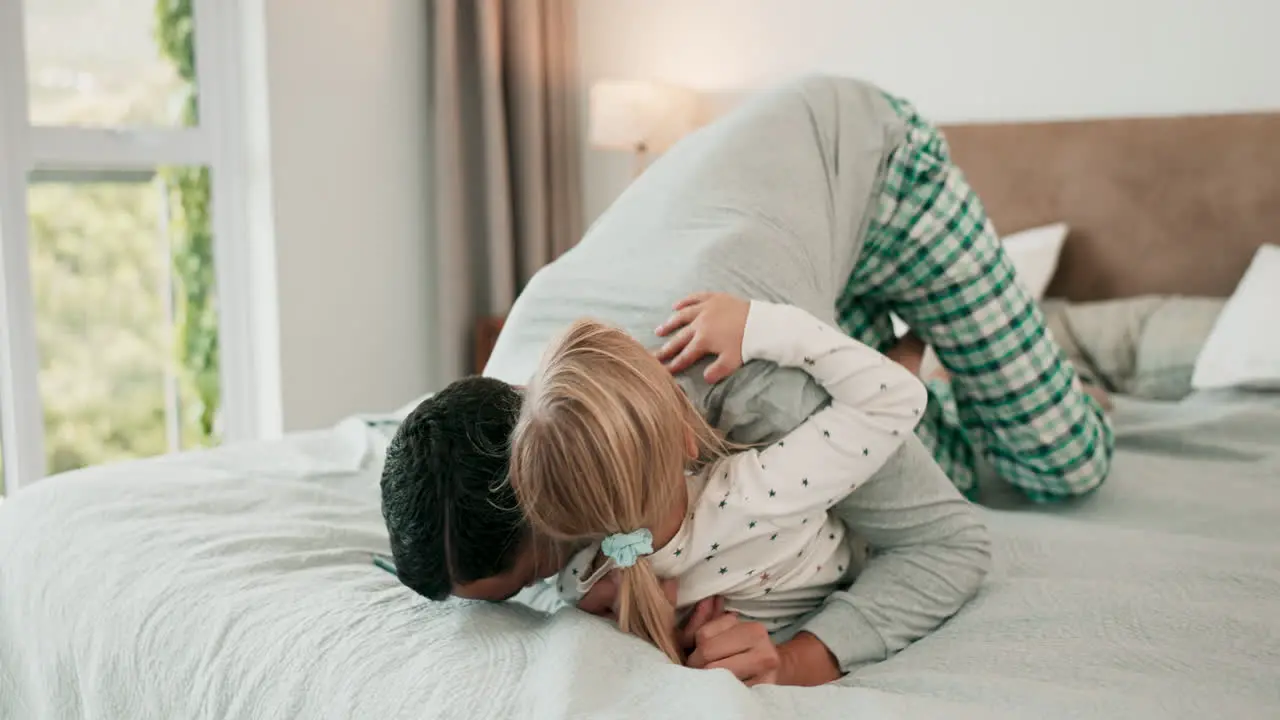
(1155, 205)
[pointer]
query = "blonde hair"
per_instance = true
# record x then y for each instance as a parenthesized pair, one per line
(601, 447)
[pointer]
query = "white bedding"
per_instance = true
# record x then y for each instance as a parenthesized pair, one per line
(237, 584)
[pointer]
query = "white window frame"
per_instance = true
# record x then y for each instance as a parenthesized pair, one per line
(230, 137)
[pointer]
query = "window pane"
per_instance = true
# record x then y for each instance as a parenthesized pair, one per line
(126, 318)
(110, 62)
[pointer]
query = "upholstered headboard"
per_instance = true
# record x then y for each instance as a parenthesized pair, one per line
(1155, 205)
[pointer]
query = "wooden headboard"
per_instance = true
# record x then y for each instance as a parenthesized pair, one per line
(1155, 205)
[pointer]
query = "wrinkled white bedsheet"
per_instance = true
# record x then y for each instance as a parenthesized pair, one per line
(237, 583)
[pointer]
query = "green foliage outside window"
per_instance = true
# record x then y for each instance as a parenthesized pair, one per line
(99, 277)
(197, 314)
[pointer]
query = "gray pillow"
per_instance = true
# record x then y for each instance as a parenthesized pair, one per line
(769, 203)
(1172, 339)
(1145, 346)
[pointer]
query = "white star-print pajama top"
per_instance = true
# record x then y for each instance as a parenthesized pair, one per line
(757, 531)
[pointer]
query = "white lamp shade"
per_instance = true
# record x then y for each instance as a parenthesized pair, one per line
(630, 115)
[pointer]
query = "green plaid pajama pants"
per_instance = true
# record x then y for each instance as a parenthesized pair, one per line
(932, 257)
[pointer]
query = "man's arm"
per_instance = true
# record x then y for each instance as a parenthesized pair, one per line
(930, 553)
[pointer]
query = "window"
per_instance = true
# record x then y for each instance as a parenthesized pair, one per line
(127, 313)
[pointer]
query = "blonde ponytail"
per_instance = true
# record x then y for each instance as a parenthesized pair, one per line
(644, 611)
(601, 449)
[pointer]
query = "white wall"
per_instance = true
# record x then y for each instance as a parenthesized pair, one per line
(976, 60)
(347, 87)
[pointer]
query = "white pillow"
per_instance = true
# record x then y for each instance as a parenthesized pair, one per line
(1034, 254)
(1243, 349)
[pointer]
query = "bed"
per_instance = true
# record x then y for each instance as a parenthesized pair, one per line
(237, 582)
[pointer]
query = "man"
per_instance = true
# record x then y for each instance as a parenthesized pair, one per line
(456, 530)
(827, 189)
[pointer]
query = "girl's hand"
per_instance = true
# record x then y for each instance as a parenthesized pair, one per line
(705, 324)
(743, 648)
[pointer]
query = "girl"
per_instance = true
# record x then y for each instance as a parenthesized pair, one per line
(609, 450)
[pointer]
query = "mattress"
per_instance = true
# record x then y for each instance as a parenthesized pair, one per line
(237, 583)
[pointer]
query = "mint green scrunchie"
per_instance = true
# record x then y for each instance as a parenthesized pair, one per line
(625, 548)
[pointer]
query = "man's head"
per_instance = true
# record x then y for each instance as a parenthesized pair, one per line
(453, 519)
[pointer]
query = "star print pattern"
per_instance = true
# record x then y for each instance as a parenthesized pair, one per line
(818, 464)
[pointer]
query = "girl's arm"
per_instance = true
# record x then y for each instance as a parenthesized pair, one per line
(875, 404)
(931, 548)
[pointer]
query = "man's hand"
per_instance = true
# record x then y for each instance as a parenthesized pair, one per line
(705, 324)
(743, 648)
(805, 661)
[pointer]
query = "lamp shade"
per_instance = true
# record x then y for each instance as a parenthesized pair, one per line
(632, 115)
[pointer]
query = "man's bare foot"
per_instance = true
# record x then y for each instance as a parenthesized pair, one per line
(1102, 396)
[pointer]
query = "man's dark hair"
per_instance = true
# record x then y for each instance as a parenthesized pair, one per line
(451, 513)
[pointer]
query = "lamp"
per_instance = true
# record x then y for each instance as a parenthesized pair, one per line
(643, 117)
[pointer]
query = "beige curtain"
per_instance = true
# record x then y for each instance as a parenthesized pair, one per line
(506, 156)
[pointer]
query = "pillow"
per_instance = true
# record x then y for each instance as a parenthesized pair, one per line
(766, 203)
(1144, 346)
(1172, 339)
(1035, 255)
(1243, 349)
